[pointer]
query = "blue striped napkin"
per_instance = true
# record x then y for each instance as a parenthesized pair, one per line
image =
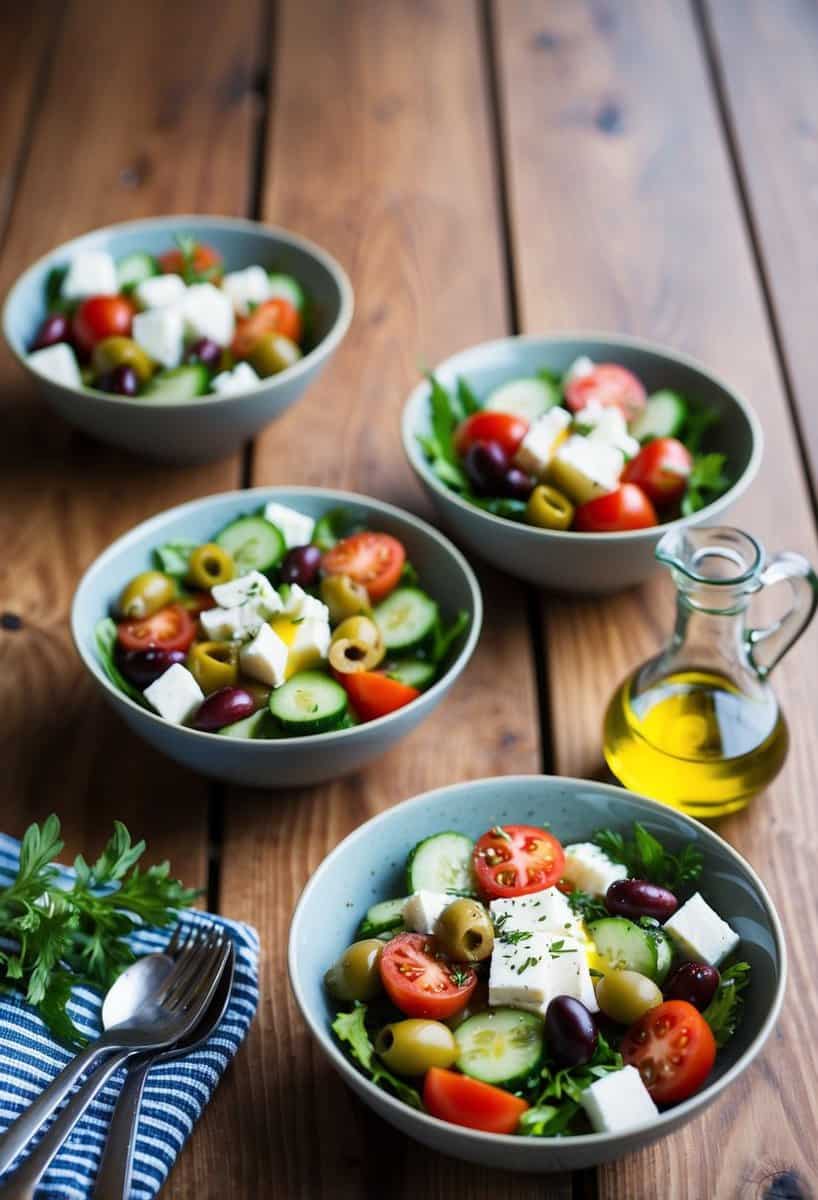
(175, 1093)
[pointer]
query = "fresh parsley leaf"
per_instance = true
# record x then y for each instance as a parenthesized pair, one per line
(705, 483)
(335, 524)
(546, 375)
(700, 418)
(350, 1028)
(587, 906)
(468, 401)
(556, 1092)
(105, 634)
(173, 558)
(723, 1013)
(444, 637)
(646, 857)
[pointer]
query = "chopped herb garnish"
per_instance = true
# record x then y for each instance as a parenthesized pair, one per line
(513, 937)
(531, 961)
(559, 947)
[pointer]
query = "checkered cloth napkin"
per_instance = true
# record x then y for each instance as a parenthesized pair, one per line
(175, 1093)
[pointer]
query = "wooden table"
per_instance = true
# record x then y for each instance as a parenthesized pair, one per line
(642, 165)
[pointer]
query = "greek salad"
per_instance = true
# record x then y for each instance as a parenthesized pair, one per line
(169, 327)
(588, 451)
(280, 626)
(522, 986)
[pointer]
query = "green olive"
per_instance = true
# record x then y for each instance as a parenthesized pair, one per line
(549, 509)
(412, 1047)
(146, 594)
(356, 975)
(358, 629)
(356, 645)
(209, 565)
(113, 352)
(344, 598)
(273, 353)
(625, 996)
(465, 931)
(214, 665)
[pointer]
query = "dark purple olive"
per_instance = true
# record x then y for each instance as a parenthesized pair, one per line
(571, 1032)
(635, 898)
(205, 351)
(486, 465)
(224, 707)
(516, 484)
(301, 565)
(55, 328)
(122, 381)
(142, 667)
(694, 982)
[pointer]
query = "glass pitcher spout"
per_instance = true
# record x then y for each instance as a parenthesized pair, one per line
(714, 567)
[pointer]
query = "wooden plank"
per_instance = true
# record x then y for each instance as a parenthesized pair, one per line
(26, 37)
(765, 56)
(380, 150)
(624, 215)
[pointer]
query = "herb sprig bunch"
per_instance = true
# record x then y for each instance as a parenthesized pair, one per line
(646, 857)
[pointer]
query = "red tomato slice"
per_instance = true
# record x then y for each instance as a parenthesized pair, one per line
(661, 470)
(273, 316)
(504, 428)
(372, 559)
(464, 1101)
(608, 384)
(206, 261)
(673, 1049)
(626, 508)
(100, 317)
(373, 695)
(515, 860)
(172, 628)
(421, 981)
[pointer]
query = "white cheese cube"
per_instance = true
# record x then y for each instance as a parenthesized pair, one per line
(542, 441)
(700, 934)
(161, 334)
(421, 911)
(252, 588)
(57, 363)
(584, 469)
(159, 290)
(312, 637)
(250, 286)
(90, 273)
(175, 695)
(209, 313)
(618, 1101)
(241, 378)
(302, 606)
(579, 368)
(265, 658)
(590, 870)
(295, 526)
(541, 912)
(608, 425)
(231, 624)
(529, 969)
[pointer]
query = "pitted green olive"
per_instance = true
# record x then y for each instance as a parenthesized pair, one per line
(411, 1047)
(146, 594)
(548, 508)
(344, 598)
(465, 931)
(358, 629)
(356, 975)
(209, 565)
(625, 996)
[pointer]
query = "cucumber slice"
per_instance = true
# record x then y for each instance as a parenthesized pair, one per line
(134, 268)
(258, 725)
(502, 1046)
(626, 946)
(284, 287)
(254, 543)
(382, 917)
(663, 416)
(441, 863)
(664, 953)
(405, 618)
(414, 672)
(178, 384)
(526, 398)
(310, 702)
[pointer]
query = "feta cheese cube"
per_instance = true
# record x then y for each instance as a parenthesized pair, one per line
(175, 695)
(529, 969)
(589, 868)
(618, 1101)
(241, 378)
(90, 273)
(608, 425)
(579, 368)
(250, 286)
(208, 312)
(295, 526)
(57, 363)
(231, 624)
(700, 934)
(159, 291)
(265, 658)
(161, 334)
(252, 588)
(421, 911)
(584, 469)
(310, 646)
(541, 912)
(301, 605)
(542, 441)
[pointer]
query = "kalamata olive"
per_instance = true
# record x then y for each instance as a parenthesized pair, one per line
(301, 565)
(694, 982)
(486, 465)
(143, 667)
(635, 898)
(224, 707)
(570, 1031)
(122, 381)
(205, 351)
(53, 329)
(516, 484)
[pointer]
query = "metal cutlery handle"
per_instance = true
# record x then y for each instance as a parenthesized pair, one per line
(114, 1175)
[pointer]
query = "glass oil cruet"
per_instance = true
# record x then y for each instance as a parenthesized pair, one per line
(698, 726)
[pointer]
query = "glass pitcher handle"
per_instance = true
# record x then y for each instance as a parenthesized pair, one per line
(775, 640)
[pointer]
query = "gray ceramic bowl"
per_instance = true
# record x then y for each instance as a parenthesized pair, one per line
(368, 866)
(566, 561)
(289, 761)
(210, 426)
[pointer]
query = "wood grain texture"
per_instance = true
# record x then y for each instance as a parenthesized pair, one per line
(27, 34)
(625, 216)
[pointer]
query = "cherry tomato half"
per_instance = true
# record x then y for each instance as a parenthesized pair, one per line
(464, 1101)
(420, 981)
(673, 1049)
(515, 860)
(503, 428)
(661, 470)
(372, 559)
(373, 694)
(626, 508)
(205, 261)
(101, 317)
(172, 628)
(608, 384)
(273, 316)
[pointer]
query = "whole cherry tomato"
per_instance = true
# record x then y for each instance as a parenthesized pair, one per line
(661, 469)
(626, 508)
(504, 429)
(101, 317)
(607, 384)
